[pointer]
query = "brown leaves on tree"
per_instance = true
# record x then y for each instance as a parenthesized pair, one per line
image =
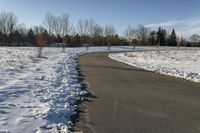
(41, 41)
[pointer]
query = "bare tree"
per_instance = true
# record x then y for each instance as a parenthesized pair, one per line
(8, 22)
(12, 22)
(3, 22)
(195, 39)
(59, 26)
(142, 33)
(96, 33)
(83, 26)
(129, 34)
(109, 32)
(83, 29)
(38, 29)
(90, 27)
(57, 22)
(66, 26)
(48, 23)
(86, 27)
(53, 24)
(94, 30)
(80, 27)
(22, 28)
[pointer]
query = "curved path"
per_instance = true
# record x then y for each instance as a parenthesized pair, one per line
(129, 100)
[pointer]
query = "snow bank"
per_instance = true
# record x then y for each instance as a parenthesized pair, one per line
(40, 94)
(178, 63)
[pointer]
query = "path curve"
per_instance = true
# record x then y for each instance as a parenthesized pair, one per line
(129, 100)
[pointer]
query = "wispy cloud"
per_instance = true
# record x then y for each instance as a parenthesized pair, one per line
(184, 28)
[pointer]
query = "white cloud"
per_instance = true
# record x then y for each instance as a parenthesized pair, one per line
(185, 27)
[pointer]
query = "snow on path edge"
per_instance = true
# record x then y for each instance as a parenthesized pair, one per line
(191, 76)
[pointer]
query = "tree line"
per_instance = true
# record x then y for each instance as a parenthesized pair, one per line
(60, 31)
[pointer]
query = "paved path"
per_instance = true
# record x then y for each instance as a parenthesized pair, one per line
(129, 100)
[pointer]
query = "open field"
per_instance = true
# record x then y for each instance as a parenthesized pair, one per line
(178, 63)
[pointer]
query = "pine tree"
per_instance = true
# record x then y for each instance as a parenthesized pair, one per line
(173, 38)
(152, 38)
(31, 37)
(161, 37)
(66, 42)
(16, 38)
(59, 39)
(1, 38)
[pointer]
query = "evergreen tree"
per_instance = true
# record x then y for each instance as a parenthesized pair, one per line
(173, 38)
(152, 38)
(59, 39)
(1, 38)
(31, 37)
(161, 37)
(67, 40)
(76, 40)
(47, 38)
(16, 38)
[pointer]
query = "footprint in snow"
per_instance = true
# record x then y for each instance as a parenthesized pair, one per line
(12, 105)
(3, 118)
(3, 112)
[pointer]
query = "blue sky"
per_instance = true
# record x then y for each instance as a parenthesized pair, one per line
(183, 15)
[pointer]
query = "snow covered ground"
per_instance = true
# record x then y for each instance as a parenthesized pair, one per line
(40, 94)
(178, 63)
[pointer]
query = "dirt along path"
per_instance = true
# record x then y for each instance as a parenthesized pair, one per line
(125, 99)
